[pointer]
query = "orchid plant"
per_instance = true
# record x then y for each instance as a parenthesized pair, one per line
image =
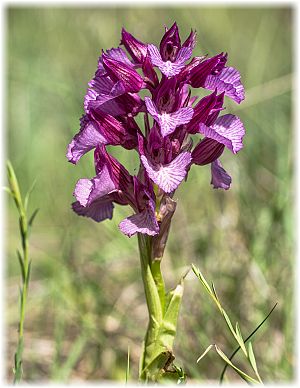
(173, 121)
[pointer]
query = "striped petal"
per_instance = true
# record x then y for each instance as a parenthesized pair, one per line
(144, 222)
(227, 130)
(130, 78)
(168, 122)
(101, 94)
(169, 68)
(95, 196)
(228, 81)
(203, 69)
(119, 55)
(168, 177)
(88, 190)
(84, 141)
(99, 210)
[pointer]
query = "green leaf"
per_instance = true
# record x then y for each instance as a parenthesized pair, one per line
(167, 329)
(23, 231)
(142, 359)
(243, 375)
(215, 292)
(28, 194)
(229, 324)
(247, 339)
(181, 375)
(240, 339)
(172, 311)
(21, 296)
(8, 190)
(21, 265)
(14, 186)
(28, 274)
(151, 292)
(159, 281)
(205, 352)
(18, 369)
(157, 366)
(30, 222)
(199, 275)
(253, 361)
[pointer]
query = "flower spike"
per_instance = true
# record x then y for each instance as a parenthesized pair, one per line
(165, 146)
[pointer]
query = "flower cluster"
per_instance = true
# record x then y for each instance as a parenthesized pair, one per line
(171, 119)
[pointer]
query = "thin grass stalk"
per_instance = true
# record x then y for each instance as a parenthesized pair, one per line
(24, 262)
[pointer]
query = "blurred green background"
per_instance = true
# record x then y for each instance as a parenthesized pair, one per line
(86, 302)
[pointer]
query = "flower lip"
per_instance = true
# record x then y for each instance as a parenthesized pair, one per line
(142, 222)
(167, 176)
(169, 68)
(168, 122)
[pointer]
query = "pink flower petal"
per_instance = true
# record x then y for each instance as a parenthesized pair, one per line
(169, 68)
(144, 222)
(227, 130)
(84, 141)
(228, 81)
(168, 177)
(169, 121)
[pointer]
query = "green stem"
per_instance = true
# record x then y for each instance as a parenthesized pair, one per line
(26, 272)
(157, 357)
(151, 292)
(14, 191)
(153, 300)
(24, 289)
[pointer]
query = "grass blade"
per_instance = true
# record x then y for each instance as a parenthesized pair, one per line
(205, 352)
(240, 339)
(243, 375)
(31, 219)
(253, 361)
(247, 339)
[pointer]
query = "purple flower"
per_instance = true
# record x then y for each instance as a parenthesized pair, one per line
(168, 67)
(227, 130)
(165, 144)
(164, 169)
(228, 81)
(168, 122)
(89, 137)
